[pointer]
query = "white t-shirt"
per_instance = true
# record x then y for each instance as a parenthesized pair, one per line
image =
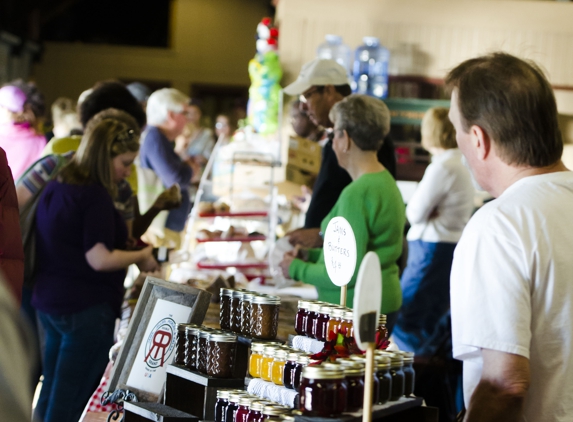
(447, 186)
(512, 290)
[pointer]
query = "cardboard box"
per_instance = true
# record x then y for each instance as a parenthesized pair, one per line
(299, 176)
(304, 154)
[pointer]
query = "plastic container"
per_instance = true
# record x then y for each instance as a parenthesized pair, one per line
(333, 48)
(370, 69)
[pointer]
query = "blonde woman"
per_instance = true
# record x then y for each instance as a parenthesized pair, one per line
(80, 267)
(438, 212)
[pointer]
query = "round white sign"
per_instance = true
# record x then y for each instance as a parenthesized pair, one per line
(339, 251)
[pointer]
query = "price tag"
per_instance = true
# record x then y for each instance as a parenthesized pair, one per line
(339, 251)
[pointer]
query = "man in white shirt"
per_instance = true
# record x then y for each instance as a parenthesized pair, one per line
(511, 295)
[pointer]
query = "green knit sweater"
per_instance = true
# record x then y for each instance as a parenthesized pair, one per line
(374, 208)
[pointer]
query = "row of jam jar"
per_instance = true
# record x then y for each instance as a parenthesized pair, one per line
(240, 406)
(317, 319)
(206, 350)
(249, 313)
(329, 389)
(278, 364)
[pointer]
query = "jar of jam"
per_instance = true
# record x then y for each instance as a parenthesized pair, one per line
(290, 365)
(236, 308)
(180, 345)
(265, 317)
(409, 373)
(322, 322)
(246, 313)
(233, 406)
(334, 321)
(354, 375)
(243, 410)
(278, 366)
(311, 320)
(256, 359)
(382, 364)
(202, 349)
(221, 404)
(192, 337)
(225, 308)
(398, 377)
(301, 362)
(272, 412)
(323, 392)
(221, 355)
(346, 324)
(255, 411)
(382, 329)
(268, 357)
(301, 315)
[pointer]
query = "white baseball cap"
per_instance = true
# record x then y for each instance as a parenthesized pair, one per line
(318, 72)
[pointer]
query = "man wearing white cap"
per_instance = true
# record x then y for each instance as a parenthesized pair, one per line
(321, 84)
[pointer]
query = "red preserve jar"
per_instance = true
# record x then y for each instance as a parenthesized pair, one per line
(243, 410)
(311, 320)
(300, 318)
(323, 392)
(255, 412)
(322, 322)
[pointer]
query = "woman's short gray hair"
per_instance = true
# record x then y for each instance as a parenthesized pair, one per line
(161, 102)
(365, 119)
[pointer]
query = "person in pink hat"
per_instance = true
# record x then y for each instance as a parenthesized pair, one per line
(23, 146)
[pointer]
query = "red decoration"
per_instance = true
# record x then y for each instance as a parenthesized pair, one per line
(274, 33)
(340, 346)
(266, 21)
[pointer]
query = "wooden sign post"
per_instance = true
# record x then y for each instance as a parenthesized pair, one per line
(340, 254)
(367, 301)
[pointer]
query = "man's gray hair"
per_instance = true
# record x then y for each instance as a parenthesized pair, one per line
(365, 119)
(161, 102)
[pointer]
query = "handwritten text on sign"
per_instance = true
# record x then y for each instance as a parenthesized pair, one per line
(339, 251)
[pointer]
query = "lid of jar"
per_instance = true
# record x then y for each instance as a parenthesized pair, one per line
(280, 354)
(346, 361)
(223, 337)
(292, 356)
(287, 418)
(337, 312)
(274, 410)
(303, 359)
(348, 315)
(238, 294)
(331, 365)
(296, 412)
(354, 370)
(182, 327)
(317, 372)
(223, 394)
(257, 405)
(192, 329)
(226, 291)
(407, 356)
(235, 396)
(358, 358)
(327, 310)
(382, 359)
(269, 351)
(267, 300)
(258, 347)
(314, 307)
(396, 359)
(204, 333)
(382, 319)
(248, 297)
(245, 401)
(303, 304)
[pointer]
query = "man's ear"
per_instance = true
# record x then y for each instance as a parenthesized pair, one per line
(481, 142)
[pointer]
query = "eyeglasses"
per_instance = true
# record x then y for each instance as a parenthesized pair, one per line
(306, 95)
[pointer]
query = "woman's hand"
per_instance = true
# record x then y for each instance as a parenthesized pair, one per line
(285, 263)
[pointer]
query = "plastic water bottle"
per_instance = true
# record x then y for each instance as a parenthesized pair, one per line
(333, 48)
(370, 71)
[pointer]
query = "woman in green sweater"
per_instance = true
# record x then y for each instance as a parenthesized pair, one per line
(372, 204)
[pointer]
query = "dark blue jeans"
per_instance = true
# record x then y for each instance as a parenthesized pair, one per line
(75, 357)
(425, 292)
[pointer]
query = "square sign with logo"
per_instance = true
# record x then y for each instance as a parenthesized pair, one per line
(149, 345)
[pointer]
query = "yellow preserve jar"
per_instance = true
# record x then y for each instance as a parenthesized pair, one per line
(256, 359)
(268, 357)
(278, 366)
